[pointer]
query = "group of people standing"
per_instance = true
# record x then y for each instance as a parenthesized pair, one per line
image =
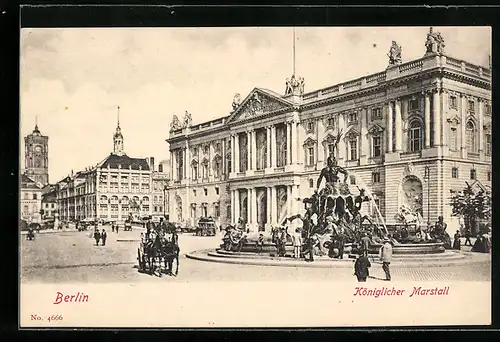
(362, 264)
(100, 236)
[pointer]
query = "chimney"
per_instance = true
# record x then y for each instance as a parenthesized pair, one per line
(152, 163)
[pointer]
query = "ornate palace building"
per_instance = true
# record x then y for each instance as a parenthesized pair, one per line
(411, 135)
(114, 188)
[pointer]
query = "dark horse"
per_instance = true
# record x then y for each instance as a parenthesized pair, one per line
(170, 251)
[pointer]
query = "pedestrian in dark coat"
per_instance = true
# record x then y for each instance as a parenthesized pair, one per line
(97, 237)
(467, 237)
(456, 240)
(361, 268)
(104, 235)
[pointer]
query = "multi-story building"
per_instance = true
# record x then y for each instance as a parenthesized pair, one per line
(410, 135)
(31, 200)
(160, 179)
(49, 202)
(112, 190)
(36, 156)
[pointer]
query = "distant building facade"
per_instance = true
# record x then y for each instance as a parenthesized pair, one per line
(112, 190)
(411, 135)
(160, 179)
(31, 200)
(49, 202)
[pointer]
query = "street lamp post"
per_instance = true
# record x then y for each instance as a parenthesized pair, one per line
(427, 176)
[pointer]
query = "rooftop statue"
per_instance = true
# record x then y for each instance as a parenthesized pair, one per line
(434, 42)
(175, 124)
(187, 119)
(294, 86)
(236, 101)
(394, 54)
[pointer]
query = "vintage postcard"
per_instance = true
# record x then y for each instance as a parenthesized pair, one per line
(255, 177)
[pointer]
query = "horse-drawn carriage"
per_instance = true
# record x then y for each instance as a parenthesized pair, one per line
(157, 253)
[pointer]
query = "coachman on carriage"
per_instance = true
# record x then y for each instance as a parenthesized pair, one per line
(158, 250)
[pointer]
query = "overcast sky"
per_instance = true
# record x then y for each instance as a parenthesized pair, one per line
(74, 79)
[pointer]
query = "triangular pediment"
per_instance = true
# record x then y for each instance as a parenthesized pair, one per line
(353, 132)
(259, 102)
(330, 139)
(309, 142)
(375, 129)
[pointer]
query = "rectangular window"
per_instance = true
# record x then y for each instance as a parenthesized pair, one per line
(488, 144)
(194, 192)
(207, 149)
(453, 102)
(195, 172)
(310, 156)
(216, 211)
(331, 150)
(352, 117)
(25, 209)
(216, 191)
(472, 106)
(487, 109)
(454, 172)
(331, 122)
(413, 104)
(488, 175)
(376, 113)
(472, 174)
(35, 196)
(205, 191)
(453, 139)
(375, 177)
(310, 126)
(353, 149)
(377, 146)
(228, 212)
(352, 180)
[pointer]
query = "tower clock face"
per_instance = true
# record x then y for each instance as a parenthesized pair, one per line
(38, 149)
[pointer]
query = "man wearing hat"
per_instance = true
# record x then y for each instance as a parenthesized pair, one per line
(386, 257)
(365, 244)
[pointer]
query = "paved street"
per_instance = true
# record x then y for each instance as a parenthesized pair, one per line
(68, 257)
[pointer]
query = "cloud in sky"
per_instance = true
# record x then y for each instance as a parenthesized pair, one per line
(74, 79)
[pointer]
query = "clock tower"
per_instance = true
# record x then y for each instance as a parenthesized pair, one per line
(36, 156)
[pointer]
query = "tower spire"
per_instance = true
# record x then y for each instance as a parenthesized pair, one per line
(36, 124)
(118, 117)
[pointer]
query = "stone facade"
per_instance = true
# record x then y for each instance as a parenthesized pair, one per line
(411, 135)
(31, 200)
(36, 156)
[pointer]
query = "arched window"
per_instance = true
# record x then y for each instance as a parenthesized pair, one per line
(217, 166)
(415, 136)
(487, 140)
(145, 199)
(470, 136)
(194, 169)
(205, 169)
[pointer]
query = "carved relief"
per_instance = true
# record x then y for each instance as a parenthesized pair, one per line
(309, 142)
(259, 104)
(375, 130)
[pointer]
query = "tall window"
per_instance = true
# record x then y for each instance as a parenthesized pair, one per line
(353, 149)
(415, 136)
(217, 167)
(488, 176)
(310, 156)
(195, 171)
(453, 139)
(453, 102)
(352, 117)
(216, 210)
(413, 104)
(228, 160)
(331, 150)
(472, 106)
(330, 122)
(205, 170)
(488, 144)
(470, 136)
(160, 168)
(454, 172)
(180, 165)
(377, 146)
(35, 196)
(472, 174)
(375, 177)
(376, 113)
(311, 183)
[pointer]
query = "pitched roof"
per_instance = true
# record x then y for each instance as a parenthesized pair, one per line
(113, 160)
(28, 183)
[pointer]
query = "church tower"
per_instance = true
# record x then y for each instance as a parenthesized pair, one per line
(36, 156)
(118, 138)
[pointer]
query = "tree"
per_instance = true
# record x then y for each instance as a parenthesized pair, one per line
(472, 205)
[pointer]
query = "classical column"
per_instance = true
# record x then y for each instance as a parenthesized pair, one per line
(274, 206)
(389, 127)
(249, 206)
(268, 147)
(187, 163)
(436, 117)
(398, 126)
(288, 200)
(232, 207)
(463, 112)
(444, 108)
(288, 140)
(268, 203)
(237, 153)
(365, 147)
(254, 150)
(223, 152)
(249, 150)
(254, 209)
(273, 146)
(296, 139)
(427, 119)
(172, 161)
(236, 205)
(481, 125)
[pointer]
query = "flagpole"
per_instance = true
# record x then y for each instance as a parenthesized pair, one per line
(293, 59)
